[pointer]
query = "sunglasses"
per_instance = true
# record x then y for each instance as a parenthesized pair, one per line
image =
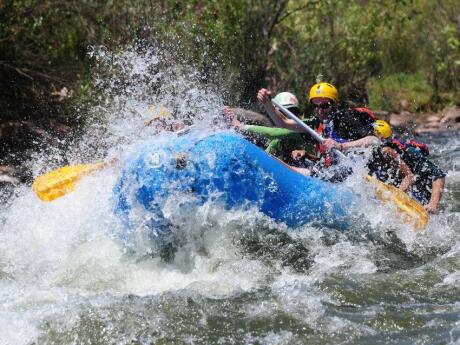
(323, 106)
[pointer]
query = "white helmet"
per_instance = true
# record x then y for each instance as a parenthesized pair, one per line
(287, 99)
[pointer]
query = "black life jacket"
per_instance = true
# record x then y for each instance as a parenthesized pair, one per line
(343, 126)
(350, 124)
(415, 155)
(412, 152)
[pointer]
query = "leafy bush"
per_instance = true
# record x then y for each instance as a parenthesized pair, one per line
(391, 92)
(240, 45)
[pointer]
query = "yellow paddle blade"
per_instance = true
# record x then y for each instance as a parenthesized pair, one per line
(410, 210)
(63, 180)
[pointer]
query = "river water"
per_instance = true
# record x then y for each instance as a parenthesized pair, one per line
(240, 278)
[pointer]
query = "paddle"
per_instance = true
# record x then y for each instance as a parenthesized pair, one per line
(63, 180)
(411, 210)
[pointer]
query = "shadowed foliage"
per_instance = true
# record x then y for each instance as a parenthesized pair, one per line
(372, 50)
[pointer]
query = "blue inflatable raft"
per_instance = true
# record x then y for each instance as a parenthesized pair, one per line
(228, 169)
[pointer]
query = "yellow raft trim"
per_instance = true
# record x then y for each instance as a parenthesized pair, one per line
(410, 211)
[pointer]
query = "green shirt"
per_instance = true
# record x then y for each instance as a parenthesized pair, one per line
(283, 141)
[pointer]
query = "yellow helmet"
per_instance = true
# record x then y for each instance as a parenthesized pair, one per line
(159, 111)
(382, 129)
(324, 90)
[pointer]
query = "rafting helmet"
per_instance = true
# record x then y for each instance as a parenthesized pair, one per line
(382, 129)
(324, 90)
(161, 112)
(287, 100)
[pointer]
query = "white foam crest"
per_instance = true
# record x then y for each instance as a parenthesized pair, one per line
(300, 297)
(38, 235)
(272, 338)
(344, 256)
(24, 309)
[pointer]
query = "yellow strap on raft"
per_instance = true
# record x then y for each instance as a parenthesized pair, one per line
(63, 180)
(410, 210)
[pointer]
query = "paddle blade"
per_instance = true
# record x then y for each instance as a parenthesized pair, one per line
(61, 181)
(410, 210)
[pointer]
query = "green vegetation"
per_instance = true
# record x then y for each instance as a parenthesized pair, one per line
(389, 92)
(378, 52)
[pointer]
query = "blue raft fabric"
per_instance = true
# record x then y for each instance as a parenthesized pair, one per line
(225, 168)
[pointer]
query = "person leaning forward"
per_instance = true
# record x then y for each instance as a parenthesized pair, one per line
(280, 142)
(405, 165)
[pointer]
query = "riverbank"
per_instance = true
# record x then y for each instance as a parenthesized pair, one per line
(446, 120)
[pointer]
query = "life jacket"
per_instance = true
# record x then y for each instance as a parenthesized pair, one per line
(366, 118)
(368, 112)
(415, 155)
(326, 129)
(412, 147)
(321, 152)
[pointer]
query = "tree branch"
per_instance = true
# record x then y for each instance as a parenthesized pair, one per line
(275, 20)
(309, 3)
(16, 69)
(28, 73)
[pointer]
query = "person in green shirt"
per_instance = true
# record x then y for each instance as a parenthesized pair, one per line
(282, 143)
